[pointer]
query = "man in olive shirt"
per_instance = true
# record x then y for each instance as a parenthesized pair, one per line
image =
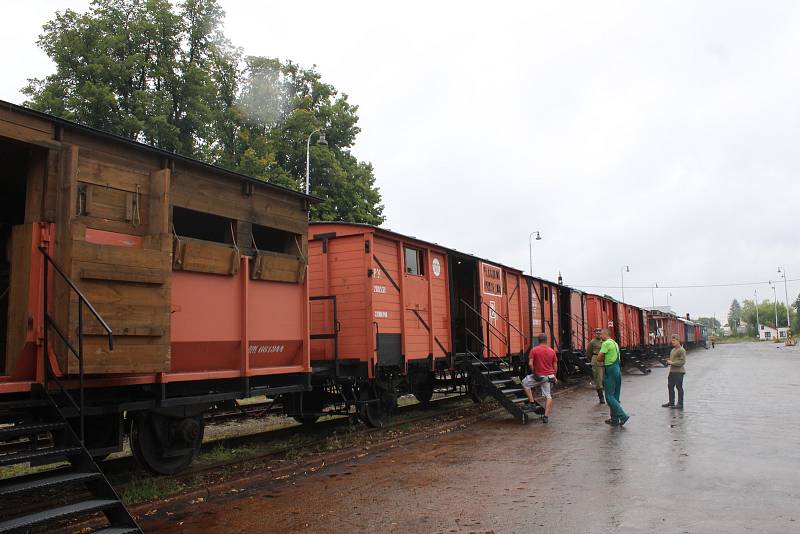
(609, 353)
(597, 366)
(677, 360)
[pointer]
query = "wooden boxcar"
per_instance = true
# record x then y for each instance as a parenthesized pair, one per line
(602, 313)
(632, 326)
(198, 272)
(389, 310)
(662, 325)
(545, 313)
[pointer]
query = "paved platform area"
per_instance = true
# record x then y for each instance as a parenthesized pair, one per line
(730, 462)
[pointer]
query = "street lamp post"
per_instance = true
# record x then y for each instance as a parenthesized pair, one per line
(668, 296)
(530, 248)
(622, 271)
(320, 141)
(775, 302)
(782, 272)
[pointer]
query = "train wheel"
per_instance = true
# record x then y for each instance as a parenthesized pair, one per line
(423, 387)
(312, 403)
(372, 409)
(164, 445)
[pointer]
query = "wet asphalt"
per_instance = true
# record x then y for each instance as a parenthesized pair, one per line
(729, 462)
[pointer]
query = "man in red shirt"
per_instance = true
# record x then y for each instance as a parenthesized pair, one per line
(543, 363)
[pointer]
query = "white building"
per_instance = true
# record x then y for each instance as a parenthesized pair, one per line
(767, 332)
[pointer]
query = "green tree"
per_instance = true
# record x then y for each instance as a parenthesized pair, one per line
(734, 315)
(796, 312)
(280, 105)
(766, 315)
(167, 75)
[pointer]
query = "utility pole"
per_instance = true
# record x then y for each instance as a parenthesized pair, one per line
(786, 291)
(653, 293)
(758, 327)
(775, 301)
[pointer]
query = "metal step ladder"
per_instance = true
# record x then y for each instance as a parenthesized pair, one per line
(495, 378)
(579, 362)
(48, 479)
(636, 358)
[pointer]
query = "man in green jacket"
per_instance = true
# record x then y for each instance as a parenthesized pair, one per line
(609, 353)
(677, 361)
(597, 366)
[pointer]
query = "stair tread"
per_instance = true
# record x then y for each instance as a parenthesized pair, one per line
(116, 530)
(60, 512)
(28, 429)
(19, 404)
(44, 479)
(39, 454)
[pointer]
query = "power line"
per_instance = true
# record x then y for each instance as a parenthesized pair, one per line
(691, 286)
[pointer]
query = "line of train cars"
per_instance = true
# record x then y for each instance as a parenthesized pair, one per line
(140, 290)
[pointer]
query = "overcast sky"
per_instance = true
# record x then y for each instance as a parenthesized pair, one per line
(659, 135)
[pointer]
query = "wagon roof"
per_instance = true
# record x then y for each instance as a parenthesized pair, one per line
(443, 247)
(149, 148)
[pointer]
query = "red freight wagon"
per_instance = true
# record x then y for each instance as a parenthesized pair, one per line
(663, 325)
(631, 326)
(601, 313)
(402, 307)
(544, 316)
(195, 273)
(575, 331)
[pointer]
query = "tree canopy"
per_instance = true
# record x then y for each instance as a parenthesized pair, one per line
(166, 75)
(766, 314)
(734, 315)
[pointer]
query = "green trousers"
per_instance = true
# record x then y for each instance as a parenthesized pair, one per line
(613, 384)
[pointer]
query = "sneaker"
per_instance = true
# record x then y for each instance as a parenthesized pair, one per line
(612, 422)
(544, 419)
(677, 407)
(668, 405)
(624, 420)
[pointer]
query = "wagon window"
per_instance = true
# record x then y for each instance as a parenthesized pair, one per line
(198, 225)
(273, 240)
(546, 293)
(604, 306)
(414, 261)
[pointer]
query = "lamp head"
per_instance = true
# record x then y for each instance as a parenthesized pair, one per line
(322, 140)
(538, 237)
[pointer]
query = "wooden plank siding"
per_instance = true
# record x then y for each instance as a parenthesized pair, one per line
(109, 201)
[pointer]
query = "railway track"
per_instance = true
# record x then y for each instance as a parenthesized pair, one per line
(122, 471)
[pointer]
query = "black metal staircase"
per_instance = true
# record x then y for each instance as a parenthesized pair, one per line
(495, 374)
(58, 481)
(48, 479)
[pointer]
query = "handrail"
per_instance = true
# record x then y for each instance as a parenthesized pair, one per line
(49, 321)
(333, 335)
(481, 341)
(482, 318)
(82, 297)
(509, 323)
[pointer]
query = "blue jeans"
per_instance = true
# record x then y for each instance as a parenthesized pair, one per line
(612, 381)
